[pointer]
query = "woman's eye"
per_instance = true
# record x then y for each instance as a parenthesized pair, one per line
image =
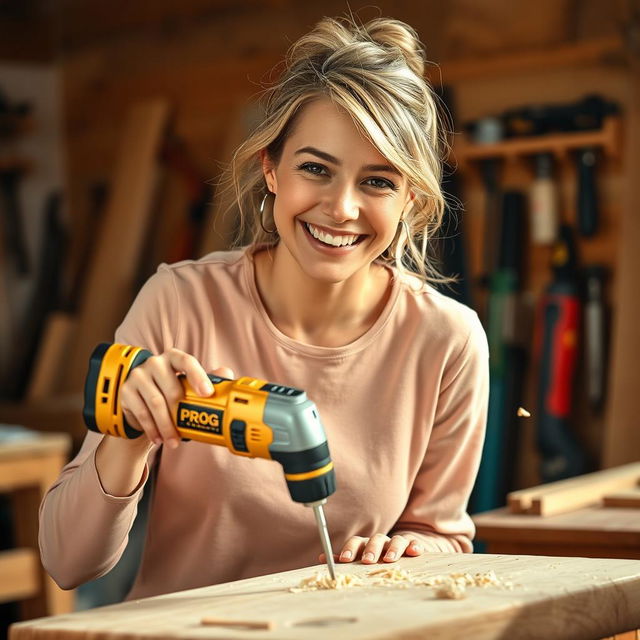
(313, 168)
(381, 183)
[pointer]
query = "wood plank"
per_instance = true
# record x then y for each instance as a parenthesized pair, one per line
(19, 574)
(52, 352)
(616, 528)
(574, 550)
(547, 593)
(111, 281)
(573, 493)
(623, 499)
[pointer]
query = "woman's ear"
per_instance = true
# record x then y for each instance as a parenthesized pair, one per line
(411, 196)
(268, 170)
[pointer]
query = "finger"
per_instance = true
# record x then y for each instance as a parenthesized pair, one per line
(374, 548)
(415, 548)
(352, 548)
(137, 414)
(396, 548)
(157, 405)
(224, 372)
(322, 558)
(184, 363)
(166, 394)
(143, 380)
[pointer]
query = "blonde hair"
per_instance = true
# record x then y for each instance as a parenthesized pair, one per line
(375, 72)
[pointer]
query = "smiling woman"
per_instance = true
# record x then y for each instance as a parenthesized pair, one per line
(337, 206)
(340, 186)
(373, 75)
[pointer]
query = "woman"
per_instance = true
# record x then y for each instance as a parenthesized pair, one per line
(339, 184)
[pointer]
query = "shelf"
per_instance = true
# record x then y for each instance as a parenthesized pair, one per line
(559, 144)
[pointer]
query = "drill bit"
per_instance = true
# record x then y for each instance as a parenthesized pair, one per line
(318, 512)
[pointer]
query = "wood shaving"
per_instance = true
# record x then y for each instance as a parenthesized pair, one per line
(451, 590)
(451, 586)
(487, 579)
(391, 575)
(325, 581)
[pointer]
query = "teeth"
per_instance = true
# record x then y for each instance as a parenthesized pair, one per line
(334, 241)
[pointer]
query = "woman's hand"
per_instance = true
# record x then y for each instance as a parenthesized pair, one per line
(378, 547)
(153, 388)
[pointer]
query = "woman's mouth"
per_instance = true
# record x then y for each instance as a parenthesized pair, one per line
(322, 238)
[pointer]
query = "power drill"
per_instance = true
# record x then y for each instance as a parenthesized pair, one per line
(250, 417)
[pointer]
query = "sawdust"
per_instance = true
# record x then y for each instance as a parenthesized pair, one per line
(391, 576)
(454, 585)
(451, 591)
(448, 586)
(322, 581)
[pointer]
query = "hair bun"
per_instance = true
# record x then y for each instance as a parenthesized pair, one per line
(394, 33)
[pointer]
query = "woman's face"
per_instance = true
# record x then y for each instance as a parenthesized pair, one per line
(338, 200)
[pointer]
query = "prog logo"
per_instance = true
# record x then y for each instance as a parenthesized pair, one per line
(201, 418)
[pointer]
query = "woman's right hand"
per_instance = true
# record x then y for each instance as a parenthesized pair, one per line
(153, 388)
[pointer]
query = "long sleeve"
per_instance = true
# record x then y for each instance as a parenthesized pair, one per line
(436, 510)
(84, 530)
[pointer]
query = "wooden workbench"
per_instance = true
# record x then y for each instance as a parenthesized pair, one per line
(563, 598)
(592, 532)
(29, 463)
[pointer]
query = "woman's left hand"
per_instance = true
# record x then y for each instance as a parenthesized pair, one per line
(377, 547)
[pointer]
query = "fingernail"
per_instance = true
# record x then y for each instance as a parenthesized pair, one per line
(368, 557)
(346, 555)
(173, 443)
(416, 547)
(390, 556)
(157, 441)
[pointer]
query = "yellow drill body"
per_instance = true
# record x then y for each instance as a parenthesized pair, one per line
(248, 416)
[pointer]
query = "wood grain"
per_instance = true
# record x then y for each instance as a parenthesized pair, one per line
(629, 499)
(591, 531)
(573, 493)
(549, 600)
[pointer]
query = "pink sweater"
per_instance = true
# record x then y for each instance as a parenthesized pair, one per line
(404, 408)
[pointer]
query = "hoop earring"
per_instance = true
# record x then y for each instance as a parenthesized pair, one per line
(262, 208)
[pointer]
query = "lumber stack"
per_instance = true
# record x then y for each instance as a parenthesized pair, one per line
(617, 487)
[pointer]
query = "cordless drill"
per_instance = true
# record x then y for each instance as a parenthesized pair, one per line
(250, 417)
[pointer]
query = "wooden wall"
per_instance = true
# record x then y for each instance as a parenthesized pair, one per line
(209, 57)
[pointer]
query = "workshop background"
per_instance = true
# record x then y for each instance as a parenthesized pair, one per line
(117, 119)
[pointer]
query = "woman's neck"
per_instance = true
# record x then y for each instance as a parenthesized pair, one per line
(319, 313)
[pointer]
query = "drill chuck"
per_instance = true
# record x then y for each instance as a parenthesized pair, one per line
(250, 417)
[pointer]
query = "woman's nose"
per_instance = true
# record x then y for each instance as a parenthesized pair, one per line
(343, 204)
